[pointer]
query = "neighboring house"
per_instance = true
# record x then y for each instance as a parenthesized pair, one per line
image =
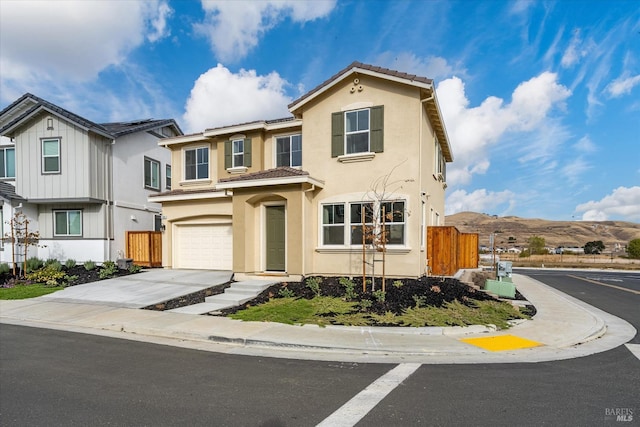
(81, 184)
(286, 196)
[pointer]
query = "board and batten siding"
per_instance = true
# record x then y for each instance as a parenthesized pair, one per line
(82, 161)
(93, 220)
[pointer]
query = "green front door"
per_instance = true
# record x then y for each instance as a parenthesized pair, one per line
(275, 238)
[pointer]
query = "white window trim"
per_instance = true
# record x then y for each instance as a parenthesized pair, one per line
(347, 200)
(184, 165)
(144, 172)
(368, 132)
(42, 157)
(234, 154)
(356, 157)
(168, 177)
(275, 148)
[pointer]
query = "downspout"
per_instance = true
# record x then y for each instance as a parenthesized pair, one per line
(304, 228)
(422, 210)
(108, 196)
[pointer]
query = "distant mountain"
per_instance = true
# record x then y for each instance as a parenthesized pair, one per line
(515, 231)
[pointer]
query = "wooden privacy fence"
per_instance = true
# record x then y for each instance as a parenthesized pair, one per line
(449, 250)
(145, 248)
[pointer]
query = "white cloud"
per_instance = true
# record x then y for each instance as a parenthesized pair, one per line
(71, 41)
(433, 67)
(622, 203)
(585, 145)
(234, 28)
(477, 201)
(576, 50)
(474, 130)
(622, 86)
(220, 97)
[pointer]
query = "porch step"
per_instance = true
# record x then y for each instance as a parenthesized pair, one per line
(200, 308)
(240, 292)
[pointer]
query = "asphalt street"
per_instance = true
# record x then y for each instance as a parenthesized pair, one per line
(52, 377)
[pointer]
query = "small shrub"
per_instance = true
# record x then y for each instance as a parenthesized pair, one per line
(70, 280)
(4, 268)
(54, 265)
(108, 269)
(89, 265)
(365, 304)
(48, 276)
(286, 293)
(34, 264)
(70, 263)
(349, 288)
(420, 301)
(134, 268)
(50, 261)
(397, 284)
(313, 283)
(379, 295)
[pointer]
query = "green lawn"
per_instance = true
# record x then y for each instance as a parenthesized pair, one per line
(27, 291)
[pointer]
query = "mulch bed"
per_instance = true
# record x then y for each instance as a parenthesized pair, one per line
(83, 275)
(432, 291)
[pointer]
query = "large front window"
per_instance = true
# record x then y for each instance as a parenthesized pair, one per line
(151, 174)
(363, 219)
(357, 131)
(289, 151)
(196, 163)
(50, 156)
(68, 223)
(7, 163)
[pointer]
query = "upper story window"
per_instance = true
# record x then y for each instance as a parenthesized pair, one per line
(67, 222)
(151, 174)
(440, 163)
(51, 155)
(167, 175)
(357, 131)
(7, 162)
(196, 163)
(289, 150)
(237, 153)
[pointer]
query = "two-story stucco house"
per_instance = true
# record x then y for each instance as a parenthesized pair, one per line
(290, 196)
(82, 185)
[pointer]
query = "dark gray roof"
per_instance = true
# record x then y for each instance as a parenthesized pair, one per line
(8, 191)
(40, 104)
(255, 122)
(113, 130)
(124, 128)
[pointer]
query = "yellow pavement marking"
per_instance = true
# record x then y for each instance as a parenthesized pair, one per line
(501, 342)
(633, 291)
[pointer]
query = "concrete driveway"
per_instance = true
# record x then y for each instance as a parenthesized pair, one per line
(142, 289)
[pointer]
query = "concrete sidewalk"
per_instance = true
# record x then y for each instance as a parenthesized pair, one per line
(564, 327)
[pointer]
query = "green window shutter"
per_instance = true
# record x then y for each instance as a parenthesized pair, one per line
(337, 134)
(377, 129)
(228, 153)
(247, 152)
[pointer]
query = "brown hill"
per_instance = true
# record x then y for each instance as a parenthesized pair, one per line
(514, 231)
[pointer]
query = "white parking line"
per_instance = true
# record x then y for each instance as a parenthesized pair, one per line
(360, 405)
(635, 349)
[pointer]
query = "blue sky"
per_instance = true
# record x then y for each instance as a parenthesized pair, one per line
(541, 100)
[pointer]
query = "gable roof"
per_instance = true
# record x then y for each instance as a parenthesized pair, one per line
(432, 106)
(118, 129)
(29, 105)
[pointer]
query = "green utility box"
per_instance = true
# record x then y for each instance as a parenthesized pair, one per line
(502, 288)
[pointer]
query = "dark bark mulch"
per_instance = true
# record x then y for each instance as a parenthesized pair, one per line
(82, 275)
(190, 299)
(432, 291)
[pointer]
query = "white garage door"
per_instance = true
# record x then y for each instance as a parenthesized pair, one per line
(203, 246)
